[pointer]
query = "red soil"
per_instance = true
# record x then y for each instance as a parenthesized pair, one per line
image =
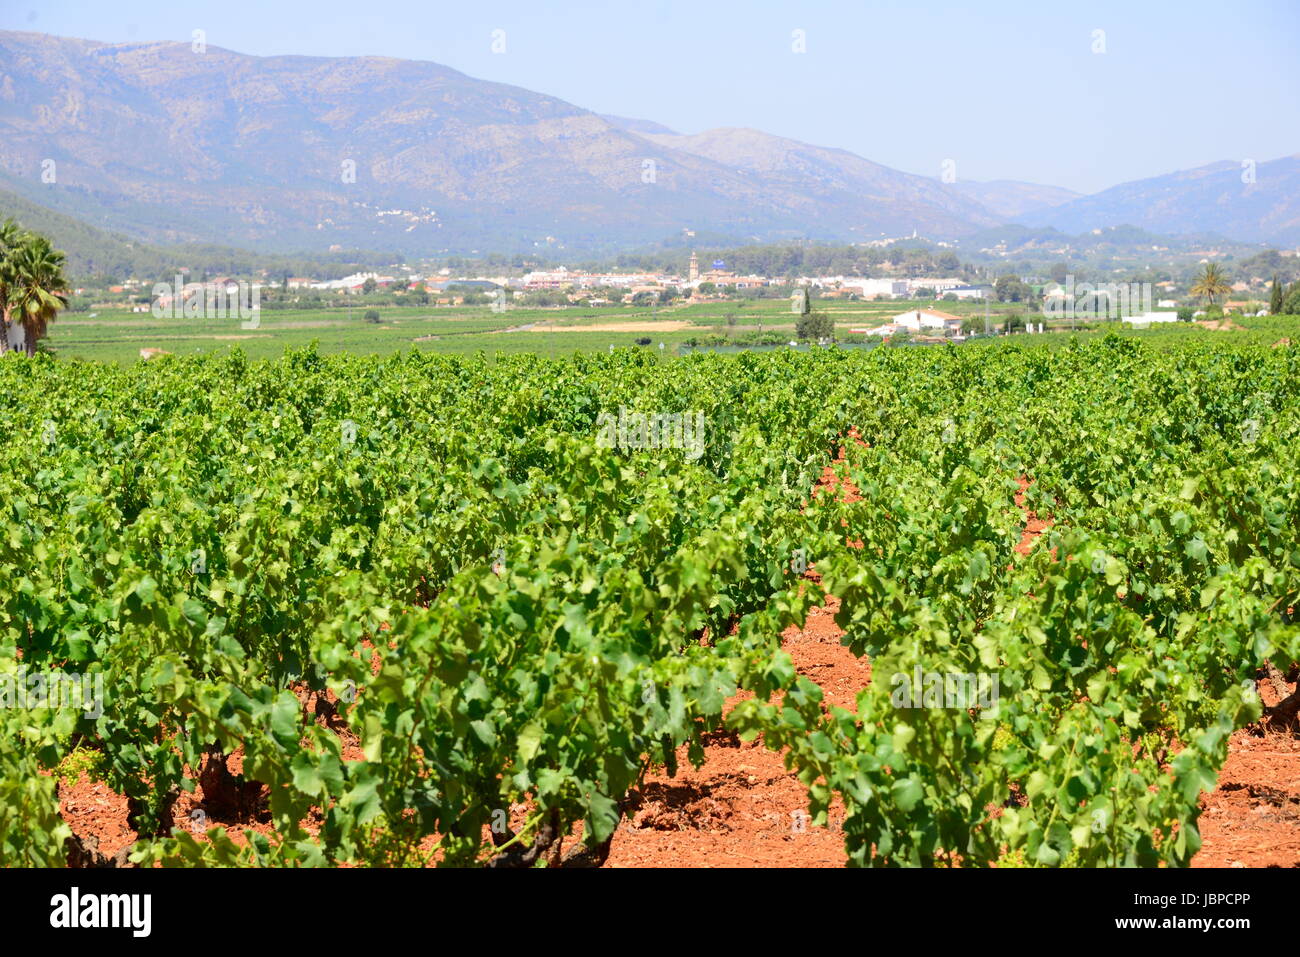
(742, 807)
(1034, 526)
(96, 814)
(1252, 819)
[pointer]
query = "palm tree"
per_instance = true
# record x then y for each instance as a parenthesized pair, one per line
(38, 289)
(1211, 283)
(11, 238)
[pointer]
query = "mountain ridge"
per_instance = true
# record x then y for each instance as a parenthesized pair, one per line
(172, 146)
(320, 153)
(1212, 198)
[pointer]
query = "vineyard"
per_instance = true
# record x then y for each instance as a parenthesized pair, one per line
(426, 609)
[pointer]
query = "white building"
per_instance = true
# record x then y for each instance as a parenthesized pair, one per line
(1149, 317)
(354, 282)
(968, 292)
(918, 319)
(548, 279)
(870, 288)
(940, 286)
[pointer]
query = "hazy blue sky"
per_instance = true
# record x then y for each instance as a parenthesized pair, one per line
(1006, 90)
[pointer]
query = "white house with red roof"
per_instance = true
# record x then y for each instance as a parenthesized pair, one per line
(918, 319)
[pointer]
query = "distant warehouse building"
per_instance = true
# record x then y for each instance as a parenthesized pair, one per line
(940, 286)
(871, 288)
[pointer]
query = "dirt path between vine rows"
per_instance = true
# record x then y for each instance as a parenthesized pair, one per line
(742, 807)
(1252, 819)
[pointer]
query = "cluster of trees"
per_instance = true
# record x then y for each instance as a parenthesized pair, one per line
(815, 325)
(1058, 272)
(540, 298)
(499, 263)
(1212, 285)
(32, 287)
(316, 299)
(750, 338)
(1284, 302)
(1283, 269)
(1013, 289)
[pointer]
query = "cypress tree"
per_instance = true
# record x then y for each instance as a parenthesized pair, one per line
(1275, 298)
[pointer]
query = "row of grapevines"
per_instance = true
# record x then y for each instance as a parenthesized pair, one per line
(1125, 646)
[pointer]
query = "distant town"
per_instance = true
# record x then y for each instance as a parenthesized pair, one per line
(701, 281)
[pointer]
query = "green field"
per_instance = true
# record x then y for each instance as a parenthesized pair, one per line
(118, 336)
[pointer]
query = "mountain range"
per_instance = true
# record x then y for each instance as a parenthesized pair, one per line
(1257, 202)
(169, 145)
